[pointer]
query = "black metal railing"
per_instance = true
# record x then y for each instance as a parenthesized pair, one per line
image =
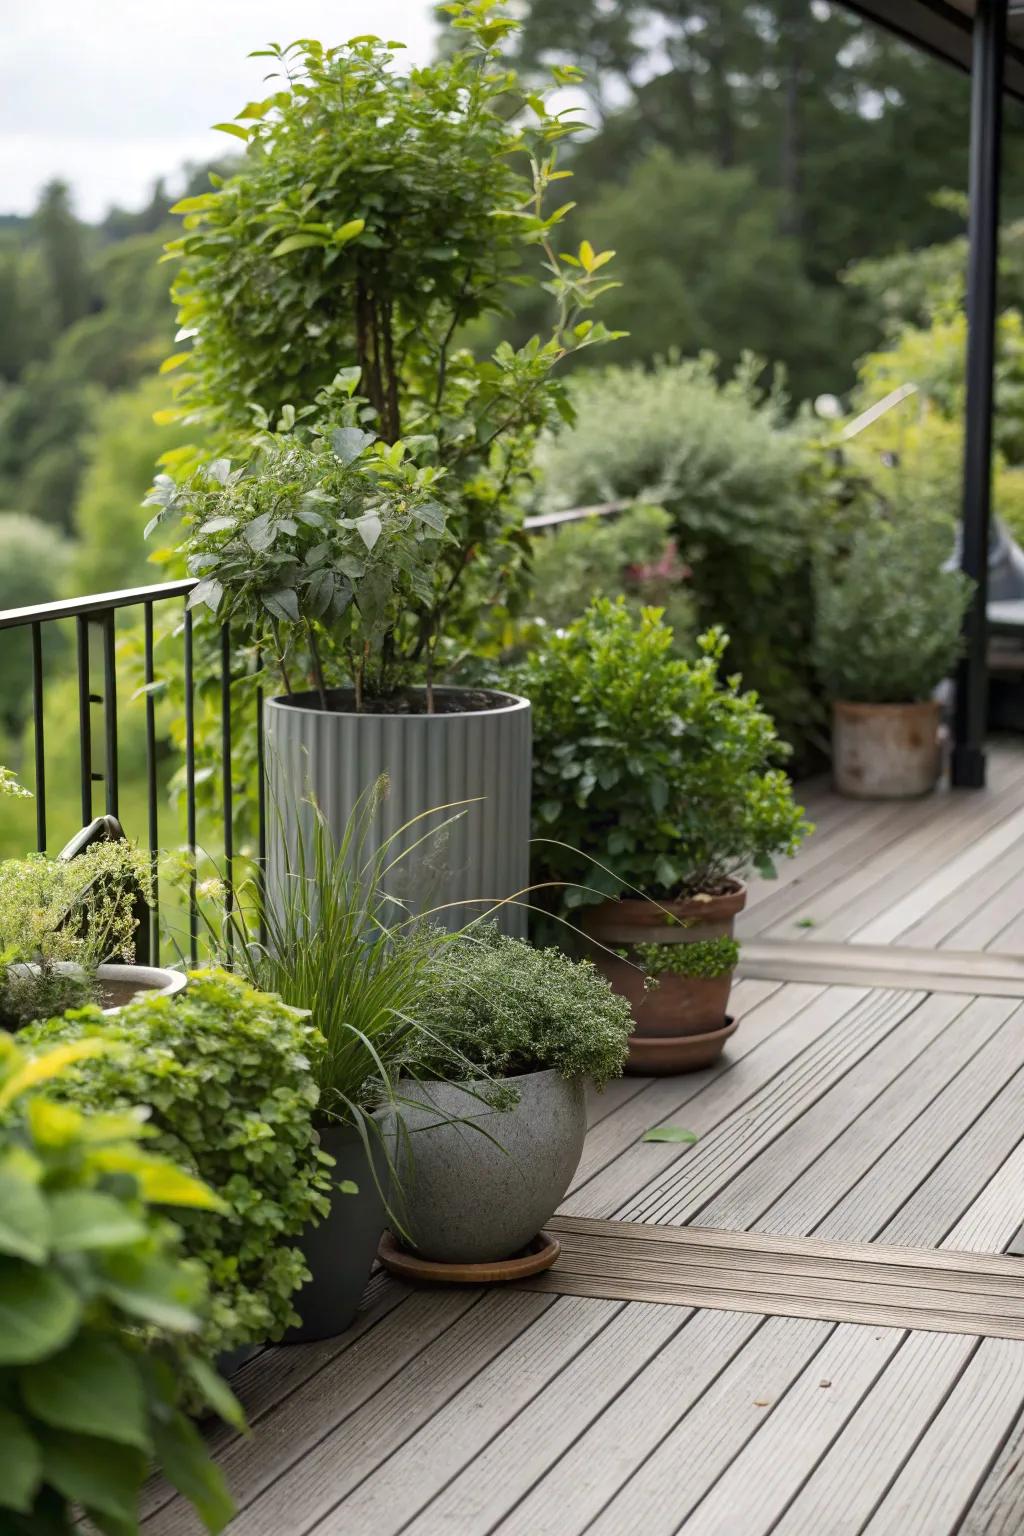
(94, 619)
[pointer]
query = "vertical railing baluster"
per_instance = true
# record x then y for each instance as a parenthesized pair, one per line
(190, 791)
(225, 744)
(38, 739)
(152, 807)
(84, 718)
(110, 713)
(261, 801)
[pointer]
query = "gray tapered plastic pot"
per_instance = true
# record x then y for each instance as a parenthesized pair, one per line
(478, 1183)
(481, 754)
(339, 1253)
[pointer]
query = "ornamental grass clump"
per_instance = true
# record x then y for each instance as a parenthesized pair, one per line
(227, 1076)
(653, 775)
(507, 1009)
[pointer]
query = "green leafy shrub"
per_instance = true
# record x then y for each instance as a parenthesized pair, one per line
(888, 616)
(59, 920)
(377, 214)
(704, 959)
(741, 487)
(508, 1008)
(650, 772)
(632, 553)
(101, 1312)
(227, 1076)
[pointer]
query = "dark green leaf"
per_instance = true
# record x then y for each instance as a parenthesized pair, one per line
(24, 1215)
(21, 1463)
(92, 1386)
(39, 1312)
(98, 1474)
(349, 442)
(88, 1218)
(182, 1455)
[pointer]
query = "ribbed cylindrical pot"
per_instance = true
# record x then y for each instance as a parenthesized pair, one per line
(479, 754)
(886, 751)
(340, 1251)
(478, 1183)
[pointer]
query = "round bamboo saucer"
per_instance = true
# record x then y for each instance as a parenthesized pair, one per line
(538, 1255)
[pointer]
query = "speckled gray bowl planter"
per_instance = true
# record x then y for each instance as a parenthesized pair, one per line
(480, 754)
(479, 1183)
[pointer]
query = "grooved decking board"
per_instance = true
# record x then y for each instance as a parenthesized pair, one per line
(998, 1507)
(788, 1277)
(884, 965)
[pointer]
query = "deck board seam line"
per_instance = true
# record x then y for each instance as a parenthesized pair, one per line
(842, 1129)
(886, 1150)
(832, 1041)
(544, 1386)
(386, 1381)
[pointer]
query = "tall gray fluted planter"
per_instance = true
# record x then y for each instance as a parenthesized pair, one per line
(431, 761)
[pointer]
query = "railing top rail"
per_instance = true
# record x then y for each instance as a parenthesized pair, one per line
(576, 514)
(96, 602)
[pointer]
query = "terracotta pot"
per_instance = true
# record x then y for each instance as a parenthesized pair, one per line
(671, 1018)
(886, 751)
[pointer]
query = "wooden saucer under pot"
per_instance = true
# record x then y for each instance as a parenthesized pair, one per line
(538, 1255)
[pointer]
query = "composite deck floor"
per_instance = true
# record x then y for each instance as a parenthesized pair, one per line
(845, 1112)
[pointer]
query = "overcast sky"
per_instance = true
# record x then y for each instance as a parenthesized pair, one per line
(110, 94)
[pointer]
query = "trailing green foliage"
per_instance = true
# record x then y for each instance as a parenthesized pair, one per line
(740, 485)
(226, 1073)
(508, 1009)
(888, 617)
(704, 959)
(651, 774)
(101, 1312)
(59, 920)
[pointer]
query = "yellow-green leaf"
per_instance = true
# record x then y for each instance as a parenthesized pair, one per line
(296, 243)
(586, 255)
(174, 361)
(42, 1068)
(235, 128)
(350, 230)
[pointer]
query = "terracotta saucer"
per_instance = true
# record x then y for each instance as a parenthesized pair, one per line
(665, 1054)
(540, 1254)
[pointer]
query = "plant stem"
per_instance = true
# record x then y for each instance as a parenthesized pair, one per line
(318, 670)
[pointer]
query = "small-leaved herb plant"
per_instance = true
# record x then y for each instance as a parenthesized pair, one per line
(653, 775)
(508, 1009)
(60, 920)
(226, 1074)
(704, 959)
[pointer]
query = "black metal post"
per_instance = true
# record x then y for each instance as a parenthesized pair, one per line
(989, 47)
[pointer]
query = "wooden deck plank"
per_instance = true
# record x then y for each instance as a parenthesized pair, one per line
(938, 1482)
(861, 1144)
(905, 1071)
(664, 1098)
(700, 1444)
(676, 1195)
(762, 1480)
(846, 1484)
(471, 1419)
(998, 1508)
(638, 1164)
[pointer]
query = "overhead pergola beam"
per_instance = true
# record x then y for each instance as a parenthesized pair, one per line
(971, 710)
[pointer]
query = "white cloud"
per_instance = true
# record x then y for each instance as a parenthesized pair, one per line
(111, 94)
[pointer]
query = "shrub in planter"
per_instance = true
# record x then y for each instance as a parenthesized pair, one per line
(226, 1074)
(59, 921)
(888, 621)
(486, 1161)
(655, 782)
(102, 1311)
(380, 212)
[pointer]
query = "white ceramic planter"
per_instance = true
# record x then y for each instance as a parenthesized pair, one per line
(886, 751)
(145, 978)
(482, 756)
(477, 1184)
